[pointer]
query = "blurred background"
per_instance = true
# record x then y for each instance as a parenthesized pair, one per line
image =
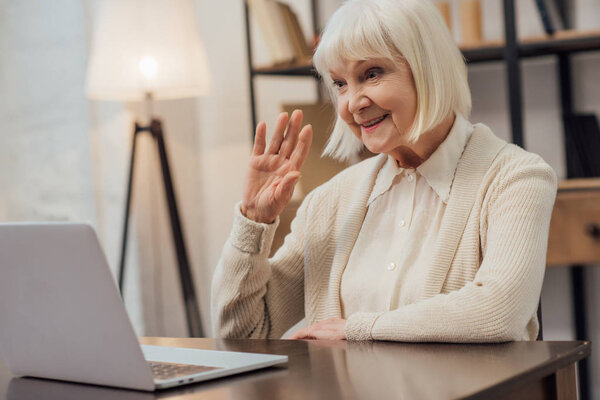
(65, 157)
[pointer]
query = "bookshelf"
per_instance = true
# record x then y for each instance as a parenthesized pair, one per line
(510, 51)
(570, 41)
(562, 44)
(286, 70)
(304, 69)
(565, 42)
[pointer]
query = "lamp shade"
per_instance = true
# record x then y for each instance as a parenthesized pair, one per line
(146, 46)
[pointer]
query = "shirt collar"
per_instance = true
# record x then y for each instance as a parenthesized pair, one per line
(438, 170)
(385, 178)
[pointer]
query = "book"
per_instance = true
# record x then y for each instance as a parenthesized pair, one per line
(280, 27)
(551, 18)
(471, 23)
(582, 145)
(272, 29)
(302, 50)
(444, 9)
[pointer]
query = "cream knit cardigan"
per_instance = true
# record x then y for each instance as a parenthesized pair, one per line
(483, 284)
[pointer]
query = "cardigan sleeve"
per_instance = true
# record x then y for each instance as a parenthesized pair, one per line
(253, 296)
(503, 297)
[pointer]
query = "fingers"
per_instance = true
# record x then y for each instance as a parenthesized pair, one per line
(293, 143)
(285, 189)
(291, 136)
(259, 139)
(329, 329)
(300, 334)
(317, 334)
(302, 148)
(280, 125)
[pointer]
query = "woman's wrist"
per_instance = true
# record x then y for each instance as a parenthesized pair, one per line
(250, 213)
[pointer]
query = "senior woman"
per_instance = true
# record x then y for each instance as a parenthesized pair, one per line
(441, 237)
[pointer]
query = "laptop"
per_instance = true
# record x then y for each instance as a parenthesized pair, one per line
(62, 317)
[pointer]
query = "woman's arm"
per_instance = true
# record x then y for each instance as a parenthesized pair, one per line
(253, 296)
(497, 305)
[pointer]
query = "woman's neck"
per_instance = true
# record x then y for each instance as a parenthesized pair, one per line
(415, 154)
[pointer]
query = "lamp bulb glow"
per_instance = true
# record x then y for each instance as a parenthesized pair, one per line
(148, 67)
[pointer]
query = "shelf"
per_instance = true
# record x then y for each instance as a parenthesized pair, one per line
(302, 69)
(562, 42)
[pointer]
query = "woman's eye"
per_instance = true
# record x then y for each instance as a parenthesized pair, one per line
(373, 73)
(338, 84)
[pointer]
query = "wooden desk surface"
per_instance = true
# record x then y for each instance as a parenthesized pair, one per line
(343, 370)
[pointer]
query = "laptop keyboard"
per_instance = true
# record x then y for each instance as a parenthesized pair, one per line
(165, 370)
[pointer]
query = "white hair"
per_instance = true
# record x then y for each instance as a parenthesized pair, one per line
(409, 30)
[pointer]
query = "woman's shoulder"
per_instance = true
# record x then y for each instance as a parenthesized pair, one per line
(516, 166)
(510, 157)
(511, 165)
(514, 158)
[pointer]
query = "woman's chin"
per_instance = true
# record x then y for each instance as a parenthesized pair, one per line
(374, 148)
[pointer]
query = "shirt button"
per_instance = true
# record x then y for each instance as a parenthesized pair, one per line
(410, 177)
(402, 223)
(391, 266)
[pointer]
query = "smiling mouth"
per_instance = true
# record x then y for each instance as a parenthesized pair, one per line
(369, 126)
(375, 121)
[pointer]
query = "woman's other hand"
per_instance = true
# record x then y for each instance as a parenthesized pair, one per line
(272, 174)
(329, 329)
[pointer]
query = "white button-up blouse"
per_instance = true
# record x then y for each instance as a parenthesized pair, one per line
(388, 264)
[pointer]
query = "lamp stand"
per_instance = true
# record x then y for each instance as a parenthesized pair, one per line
(185, 274)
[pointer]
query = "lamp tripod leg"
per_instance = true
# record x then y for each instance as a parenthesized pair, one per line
(127, 208)
(185, 273)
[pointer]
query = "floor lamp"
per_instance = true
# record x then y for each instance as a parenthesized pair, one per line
(146, 51)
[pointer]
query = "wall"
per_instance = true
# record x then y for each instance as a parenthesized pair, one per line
(43, 115)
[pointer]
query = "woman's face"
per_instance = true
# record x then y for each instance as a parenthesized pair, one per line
(378, 101)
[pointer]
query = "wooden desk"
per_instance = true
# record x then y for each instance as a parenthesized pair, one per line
(371, 370)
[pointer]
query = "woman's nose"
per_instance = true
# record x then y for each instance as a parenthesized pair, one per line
(357, 101)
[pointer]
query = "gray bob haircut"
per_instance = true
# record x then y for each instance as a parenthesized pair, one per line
(412, 31)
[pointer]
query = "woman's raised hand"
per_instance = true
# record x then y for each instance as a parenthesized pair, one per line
(273, 172)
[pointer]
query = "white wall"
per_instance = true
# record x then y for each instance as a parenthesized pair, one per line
(43, 113)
